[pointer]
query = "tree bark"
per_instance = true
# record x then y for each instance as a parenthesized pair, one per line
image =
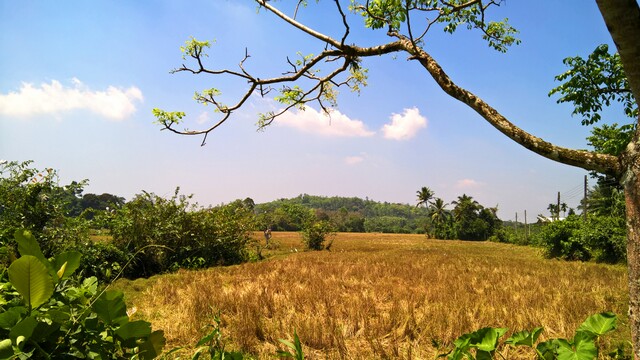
(631, 182)
(622, 18)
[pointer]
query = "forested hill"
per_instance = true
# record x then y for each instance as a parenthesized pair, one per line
(347, 213)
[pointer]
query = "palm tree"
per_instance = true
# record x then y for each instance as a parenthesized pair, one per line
(465, 206)
(439, 218)
(439, 213)
(424, 196)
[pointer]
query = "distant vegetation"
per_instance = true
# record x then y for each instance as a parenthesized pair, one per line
(157, 235)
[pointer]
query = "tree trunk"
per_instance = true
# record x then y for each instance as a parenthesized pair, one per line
(622, 18)
(631, 183)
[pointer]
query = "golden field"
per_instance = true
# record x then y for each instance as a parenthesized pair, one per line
(377, 296)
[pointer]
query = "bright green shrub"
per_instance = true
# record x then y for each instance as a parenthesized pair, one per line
(607, 238)
(315, 235)
(45, 313)
(32, 199)
(561, 239)
(600, 237)
(166, 234)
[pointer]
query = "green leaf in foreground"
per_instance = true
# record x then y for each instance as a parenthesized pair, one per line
(524, 337)
(599, 324)
(31, 279)
(111, 308)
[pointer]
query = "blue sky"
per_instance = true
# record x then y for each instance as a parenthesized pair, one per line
(78, 81)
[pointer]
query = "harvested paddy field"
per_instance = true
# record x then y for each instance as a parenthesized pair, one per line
(380, 296)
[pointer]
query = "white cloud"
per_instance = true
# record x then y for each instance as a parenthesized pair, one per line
(404, 126)
(334, 124)
(353, 160)
(55, 98)
(467, 184)
(203, 118)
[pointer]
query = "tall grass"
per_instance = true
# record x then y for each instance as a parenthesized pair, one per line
(381, 296)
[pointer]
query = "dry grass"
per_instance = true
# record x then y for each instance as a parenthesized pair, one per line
(380, 296)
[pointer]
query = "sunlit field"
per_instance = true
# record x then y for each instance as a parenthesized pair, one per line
(380, 296)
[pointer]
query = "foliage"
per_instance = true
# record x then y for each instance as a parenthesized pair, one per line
(316, 233)
(600, 237)
(424, 196)
(32, 199)
(47, 314)
(295, 348)
(347, 214)
(594, 83)
(606, 237)
(173, 233)
(560, 240)
(104, 261)
(484, 343)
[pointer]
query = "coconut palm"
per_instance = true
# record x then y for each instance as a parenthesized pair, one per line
(424, 196)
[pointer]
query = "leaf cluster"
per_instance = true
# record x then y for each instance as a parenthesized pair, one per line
(167, 234)
(47, 314)
(484, 343)
(594, 83)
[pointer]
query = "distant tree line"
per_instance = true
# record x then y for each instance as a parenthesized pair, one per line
(347, 214)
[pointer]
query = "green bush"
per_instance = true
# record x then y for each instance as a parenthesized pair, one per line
(561, 239)
(600, 237)
(46, 314)
(607, 238)
(166, 234)
(32, 199)
(103, 260)
(315, 235)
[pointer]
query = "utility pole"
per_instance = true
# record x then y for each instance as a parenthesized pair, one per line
(558, 208)
(584, 201)
(526, 228)
(515, 225)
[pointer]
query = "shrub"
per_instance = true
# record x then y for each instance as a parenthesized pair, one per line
(560, 240)
(103, 260)
(316, 233)
(32, 199)
(167, 234)
(607, 238)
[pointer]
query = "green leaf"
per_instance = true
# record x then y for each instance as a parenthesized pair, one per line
(11, 317)
(28, 245)
(152, 348)
(486, 339)
(111, 308)
(23, 331)
(524, 338)
(6, 350)
(547, 350)
(134, 330)
(583, 348)
(31, 279)
(72, 261)
(599, 324)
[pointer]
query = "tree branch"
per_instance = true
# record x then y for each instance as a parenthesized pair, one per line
(607, 164)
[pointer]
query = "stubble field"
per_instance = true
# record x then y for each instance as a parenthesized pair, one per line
(380, 296)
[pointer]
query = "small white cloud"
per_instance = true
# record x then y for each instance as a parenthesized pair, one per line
(353, 160)
(55, 98)
(203, 118)
(467, 184)
(404, 126)
(335, 124)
